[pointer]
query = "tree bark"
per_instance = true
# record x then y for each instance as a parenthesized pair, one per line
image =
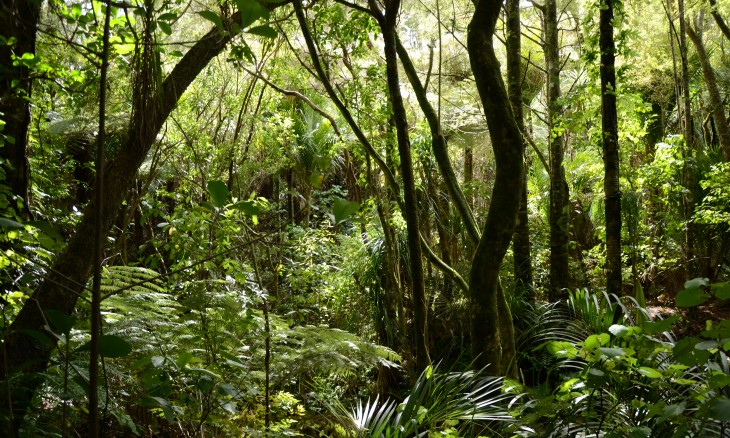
(418, 288)
(689, 143)
(610, 150)
(486, 337)
(719, 20)
(521, 243)
(23, 357)
(559, 233)
(19, 20)
(718, 108)
(440, 147)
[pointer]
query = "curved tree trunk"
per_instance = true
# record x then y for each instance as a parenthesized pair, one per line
(610, 150)
(486, 338)
(718, 108)
(719, 20)
(440, 147)
(23, 357)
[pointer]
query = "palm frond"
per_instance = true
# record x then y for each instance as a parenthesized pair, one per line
(434, 399)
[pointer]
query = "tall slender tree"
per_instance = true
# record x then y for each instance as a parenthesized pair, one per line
(609, 123)
(689, 141)
(418, 288)
(487, 315)
(559, 233)
(521, 242)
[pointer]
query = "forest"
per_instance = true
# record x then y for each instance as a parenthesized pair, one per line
(365, 218)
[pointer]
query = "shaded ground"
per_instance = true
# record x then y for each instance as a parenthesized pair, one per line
(694, 320)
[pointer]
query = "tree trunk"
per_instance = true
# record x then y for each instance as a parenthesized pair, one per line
(559, 233)
(610, 150)
(521, 243)
(19, 20)
(718, 108)
(719, 20)
(486, 338)
(689, 143)
(410, 213)
(24, 357)
(440, 147)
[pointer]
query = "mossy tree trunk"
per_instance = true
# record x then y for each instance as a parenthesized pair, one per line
(610, 150)
(486, 337)
(521, 243)
(18, 20)
(559, 233)
(718, 107)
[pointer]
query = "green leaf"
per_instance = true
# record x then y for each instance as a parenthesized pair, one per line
(168, 16)
(47, 229)
(343, 209)
(676, 409)
(721, 290)
(691, 297)
(706, 345)
(264, 31)
(247, 207)
(720, 409)
(60, 321)
(114, 346)
(165, 27)
(612, 352)
(212, 16)
(218, 192)
(596, 341)
(661, 326)
(110, 346)
(166, 408)
(315, 179)
(251, 11)
(10, 224)
(684, 352)
(650, 372)
(696, 283)
(561, 349)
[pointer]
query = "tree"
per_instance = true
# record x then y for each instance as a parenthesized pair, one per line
(521, 242)
(19, 24)
(716, 103)
(22, 356)
(418, 289)
(487, 340)
(559, 203)
(609, 126)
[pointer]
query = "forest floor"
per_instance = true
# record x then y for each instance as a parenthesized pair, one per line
(694, 319)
